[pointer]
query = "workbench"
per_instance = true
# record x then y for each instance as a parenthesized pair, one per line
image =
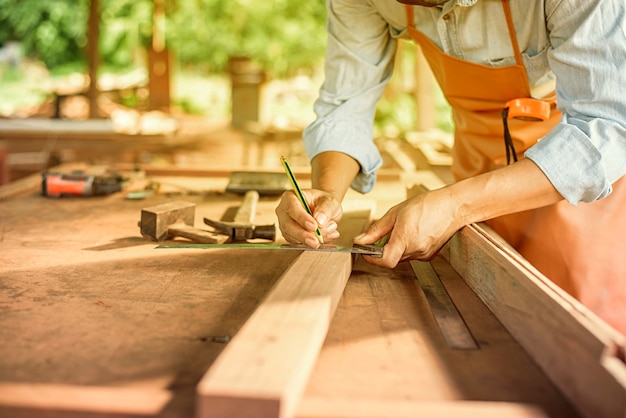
(95, 321)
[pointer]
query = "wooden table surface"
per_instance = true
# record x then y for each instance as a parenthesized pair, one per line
(86, 301)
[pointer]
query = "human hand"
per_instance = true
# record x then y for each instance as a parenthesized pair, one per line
(417, 228)
(297, 226)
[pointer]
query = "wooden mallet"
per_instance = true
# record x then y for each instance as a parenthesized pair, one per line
(175, 219)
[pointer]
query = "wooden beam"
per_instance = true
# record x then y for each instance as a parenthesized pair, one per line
(264, 369)
(575, 349)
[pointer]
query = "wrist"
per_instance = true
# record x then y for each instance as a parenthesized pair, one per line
(333, 172)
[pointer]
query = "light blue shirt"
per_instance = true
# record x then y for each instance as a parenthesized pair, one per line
(579, 43)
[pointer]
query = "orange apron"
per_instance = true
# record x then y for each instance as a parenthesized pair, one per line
(580, 248)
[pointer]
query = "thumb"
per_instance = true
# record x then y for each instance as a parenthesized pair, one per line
(376, 231)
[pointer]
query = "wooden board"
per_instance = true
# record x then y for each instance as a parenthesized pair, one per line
(371, 408)
(385, 346)
(90, 311)
(575, 348)
(264, 370)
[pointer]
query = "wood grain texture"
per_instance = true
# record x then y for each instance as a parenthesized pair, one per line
(263, 371)
(384, 345)
(574, 348)
(374, 408)
(85, 399)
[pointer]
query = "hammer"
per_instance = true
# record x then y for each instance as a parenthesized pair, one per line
(242, 227)
(175, 219)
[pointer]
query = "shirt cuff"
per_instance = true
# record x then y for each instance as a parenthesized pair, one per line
(572, 163)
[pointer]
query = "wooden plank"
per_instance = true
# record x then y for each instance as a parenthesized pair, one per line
(374, 408)
(450, 321)
(85, 399)
(299, 172)
(575, 349)
(264, 369)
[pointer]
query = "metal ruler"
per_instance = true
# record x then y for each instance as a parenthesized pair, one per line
(450, 322)
(372, 250)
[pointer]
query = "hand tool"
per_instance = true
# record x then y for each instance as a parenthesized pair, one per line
(299, 194)
(79, 184)
(175, 219)
(242, 227)
(450, 322)
(372, 250)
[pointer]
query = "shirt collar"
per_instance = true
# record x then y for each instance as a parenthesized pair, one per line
(465, 3)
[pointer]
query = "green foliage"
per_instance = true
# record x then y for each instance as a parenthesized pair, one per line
(52, 31)
(284, 36)
(125, 29)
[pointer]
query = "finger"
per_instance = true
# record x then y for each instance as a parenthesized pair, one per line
(294, 233)
(392, 253)
(330, 231)
(294, 227)
(293, 209)
(376, 231)
(325, 208)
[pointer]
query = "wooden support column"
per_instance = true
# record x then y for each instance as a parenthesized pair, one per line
(424, 93)
(159, 62)
(93, 59)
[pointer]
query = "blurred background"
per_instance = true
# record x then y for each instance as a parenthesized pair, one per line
(43, 48)
(157, 63)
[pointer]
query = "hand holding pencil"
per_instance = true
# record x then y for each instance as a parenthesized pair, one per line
(297, 217)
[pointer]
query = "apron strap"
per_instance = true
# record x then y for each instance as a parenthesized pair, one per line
(509, 24)
(409, 16)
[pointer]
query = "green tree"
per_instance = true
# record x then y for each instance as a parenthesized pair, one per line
(283, 35)
(52, 31)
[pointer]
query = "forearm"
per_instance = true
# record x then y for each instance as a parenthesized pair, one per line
(515, 188)
(333, 172)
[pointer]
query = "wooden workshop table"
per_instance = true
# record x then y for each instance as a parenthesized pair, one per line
(94, 321)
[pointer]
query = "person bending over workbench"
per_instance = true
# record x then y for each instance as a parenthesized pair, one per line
(560, 200)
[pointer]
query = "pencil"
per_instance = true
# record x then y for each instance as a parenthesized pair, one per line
(300, 196)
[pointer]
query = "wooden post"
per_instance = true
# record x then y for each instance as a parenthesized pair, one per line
(93, 59)
(159, 62)
(424, 93)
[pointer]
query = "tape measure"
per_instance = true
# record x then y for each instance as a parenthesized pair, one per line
(527, 109)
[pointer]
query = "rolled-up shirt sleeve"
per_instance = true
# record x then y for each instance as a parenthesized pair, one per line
(359, 63)
(586, 152)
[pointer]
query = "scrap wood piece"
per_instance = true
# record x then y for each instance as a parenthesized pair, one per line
(582, 356)
(264, 369)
